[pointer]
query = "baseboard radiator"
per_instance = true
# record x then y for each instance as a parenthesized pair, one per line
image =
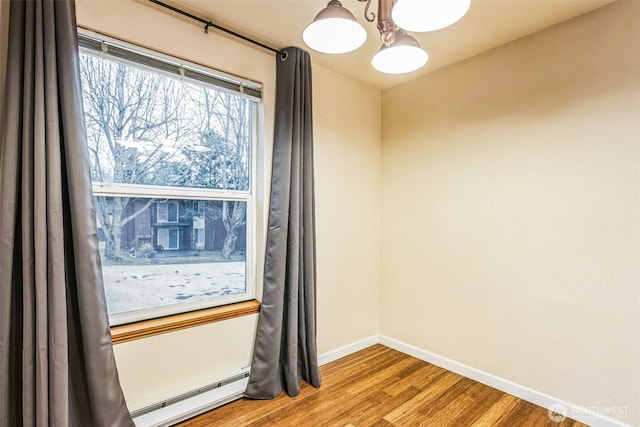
(192, 403)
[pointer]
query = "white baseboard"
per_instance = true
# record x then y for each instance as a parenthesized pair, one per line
(575, 412)
(341, 352)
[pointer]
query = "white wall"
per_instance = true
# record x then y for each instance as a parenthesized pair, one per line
(511, 211)
(347, 148)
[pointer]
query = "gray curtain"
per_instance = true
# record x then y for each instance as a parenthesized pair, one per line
(285, 347)
(57, 366)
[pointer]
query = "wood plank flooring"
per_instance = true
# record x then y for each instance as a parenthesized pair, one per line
(378, 387)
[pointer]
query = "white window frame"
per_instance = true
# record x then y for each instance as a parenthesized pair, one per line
(149, 191)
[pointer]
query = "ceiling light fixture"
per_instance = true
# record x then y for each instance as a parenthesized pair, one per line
(403, 55)
(335, 30)
(428, 15)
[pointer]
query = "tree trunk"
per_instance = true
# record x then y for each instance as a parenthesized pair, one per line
(109, 246)
(116, 228)
(229, 244)
(117, 242)
(232, 221)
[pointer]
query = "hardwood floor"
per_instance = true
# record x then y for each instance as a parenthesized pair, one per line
(379, 386)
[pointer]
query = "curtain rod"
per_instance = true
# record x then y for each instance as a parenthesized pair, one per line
(213, 25)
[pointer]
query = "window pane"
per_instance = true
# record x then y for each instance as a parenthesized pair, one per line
(162, 239)
(161, 251)
(149, 263)
(172, 212)
(173, 239)
(144, 127)
(163, 212)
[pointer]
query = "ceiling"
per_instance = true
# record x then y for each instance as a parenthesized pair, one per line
(488, 24)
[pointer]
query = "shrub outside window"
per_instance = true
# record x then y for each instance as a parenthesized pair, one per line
(172, 163)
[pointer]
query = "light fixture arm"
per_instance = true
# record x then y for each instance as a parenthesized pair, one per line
(386, 26)
(368, 15)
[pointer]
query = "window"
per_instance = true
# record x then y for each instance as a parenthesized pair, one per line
(172, 161)
(167, 212)
(167, 238)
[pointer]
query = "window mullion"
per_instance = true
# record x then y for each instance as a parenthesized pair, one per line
(134, 190)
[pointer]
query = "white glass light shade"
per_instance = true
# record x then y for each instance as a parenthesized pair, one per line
(428, 15)
(402, 56)
(334, 30)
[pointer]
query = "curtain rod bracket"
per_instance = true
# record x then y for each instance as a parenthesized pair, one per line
(207, 25)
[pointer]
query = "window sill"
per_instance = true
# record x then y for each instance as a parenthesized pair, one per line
(149, 328)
